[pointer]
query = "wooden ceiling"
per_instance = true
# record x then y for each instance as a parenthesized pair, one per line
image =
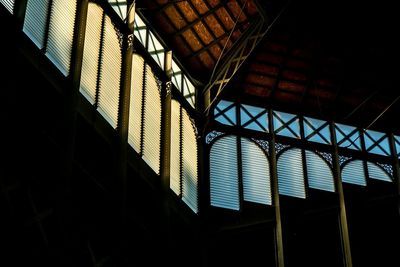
(200, 31)
(328, 59)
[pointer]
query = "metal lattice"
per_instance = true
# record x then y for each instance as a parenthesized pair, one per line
(263, 144)
(212, 135)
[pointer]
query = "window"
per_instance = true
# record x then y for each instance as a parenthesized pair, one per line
(224, 179)
(254, 118)
(286, 124)
(347, 136)
(319, 173)
(184, 169)
(120, 6)
(353, 173)
(225, 113)
(317, 131)
(101, 65)
(61, 34)
(377, 143)
(91, 53)
(8, 4)
(291, 174)
(378, 173)
(255, 173)
(144, 133)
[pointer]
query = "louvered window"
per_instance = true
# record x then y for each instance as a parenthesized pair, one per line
(61, 34)
(135, 110)
(9, 4)
(101, 64)
(378, 173)
(152, 121)
(224, 187)
(255, 173)
(144, 133)
(291, 174)
(319, 173)
(175, 165)
(91, 53)
(35, 23)
(189, 163)
(353, 173)
(110, 72)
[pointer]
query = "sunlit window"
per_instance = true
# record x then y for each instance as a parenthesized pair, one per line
(140, 30)
(8, 4)
(144, 133)
(120, 6)
(61, 34)
(35, 23)
(91, 53)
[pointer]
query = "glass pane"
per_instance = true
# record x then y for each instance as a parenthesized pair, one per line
(317, 131)
(176, 76)
(254, 118)
(140, 30)
(377, 143)
(156, 50)
(225, 113)
(286, 124)
(189, 91)
(120, 7)
(347, 136)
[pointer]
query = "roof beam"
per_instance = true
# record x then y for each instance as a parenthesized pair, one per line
(213, 91)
